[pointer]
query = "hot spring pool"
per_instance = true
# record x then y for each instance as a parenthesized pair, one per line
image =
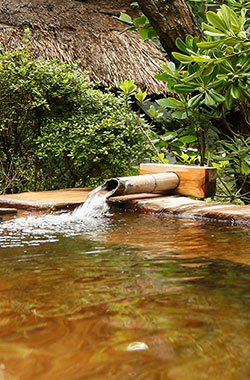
(123, 296)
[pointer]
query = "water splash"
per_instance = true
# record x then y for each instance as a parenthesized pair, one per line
(95, 205)
(88, 219)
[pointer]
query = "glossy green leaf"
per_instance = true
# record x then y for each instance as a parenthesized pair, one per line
(196, 74)
(235, 92)
(208, 69)
(169, 136)
(141, 96)
(169, 103)
(203, 59)
(222, 76)
(184, 88)
(213, 34)
(209, 101)
(181, 45)
(162, 76)
(144, 33)
(242, 18)
(182, 58)
(128, 86)
(208, 45)
(245, 168)
(188, 139)
(125, 18)
(225, 14)
(171, 66)
(195, 101)
(140, 20)
(229, 100)
(218, 98)
(216, 21)
(210, 28)
(179, 115)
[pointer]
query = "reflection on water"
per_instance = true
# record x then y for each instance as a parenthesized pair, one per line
(124, 297)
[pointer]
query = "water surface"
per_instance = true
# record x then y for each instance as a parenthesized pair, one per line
(123, 296)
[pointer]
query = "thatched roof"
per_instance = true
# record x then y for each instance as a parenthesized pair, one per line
(84, 31)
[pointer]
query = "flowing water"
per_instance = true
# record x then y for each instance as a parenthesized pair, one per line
(123, 296)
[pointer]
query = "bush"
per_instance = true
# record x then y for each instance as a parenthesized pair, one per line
(210, 81)
(57, 131)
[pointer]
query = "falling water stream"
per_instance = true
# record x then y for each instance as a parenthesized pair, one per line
(89, 217)
(95, 206)
(97, 294)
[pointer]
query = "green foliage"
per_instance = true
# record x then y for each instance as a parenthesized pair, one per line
(216, 71)
(141, 96)
(57, 131)
(141, 24)
(213, 78)
(233, 163)
(200, 7)
(237, 152)
(127, 87)
(208, 80)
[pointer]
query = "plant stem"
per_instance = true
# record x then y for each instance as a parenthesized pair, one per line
(224, 184)
(152, 144)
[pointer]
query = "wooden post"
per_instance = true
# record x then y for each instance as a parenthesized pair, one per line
(195, 181)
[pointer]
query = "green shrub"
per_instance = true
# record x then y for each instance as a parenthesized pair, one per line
(211, 81)
(210, 85)
(57, 131)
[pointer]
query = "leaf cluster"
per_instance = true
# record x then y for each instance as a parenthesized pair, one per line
(57, 130)
(141, 24)
(209, 79)
(215, 71)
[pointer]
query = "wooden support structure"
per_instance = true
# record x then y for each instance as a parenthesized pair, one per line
(195, 181)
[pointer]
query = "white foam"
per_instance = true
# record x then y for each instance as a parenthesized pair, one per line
(95, 205)
(88, 218)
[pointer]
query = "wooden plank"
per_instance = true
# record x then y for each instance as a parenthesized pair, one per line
(195, 181)
(46, 200)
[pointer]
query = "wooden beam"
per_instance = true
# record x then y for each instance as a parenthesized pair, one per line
(46, 200)
(195, 181)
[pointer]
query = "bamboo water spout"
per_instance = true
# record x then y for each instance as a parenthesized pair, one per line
(191, 181)
(148, 183)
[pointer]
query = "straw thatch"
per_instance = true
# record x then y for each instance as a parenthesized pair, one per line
(83, 31)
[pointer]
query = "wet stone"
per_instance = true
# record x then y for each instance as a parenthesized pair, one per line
(6, 211)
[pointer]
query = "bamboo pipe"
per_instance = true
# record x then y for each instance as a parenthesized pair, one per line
(147, 183)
